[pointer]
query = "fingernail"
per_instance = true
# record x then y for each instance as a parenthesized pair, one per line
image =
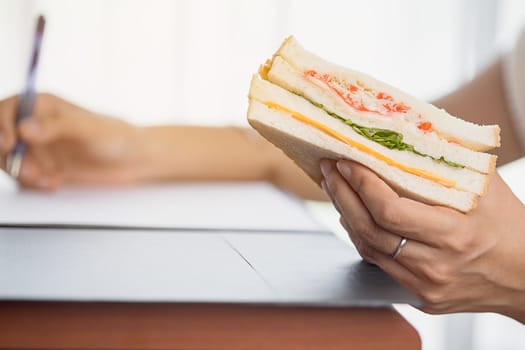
(326, 167)
(344, 168)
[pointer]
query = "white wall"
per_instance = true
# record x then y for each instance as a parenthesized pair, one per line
(190, 61)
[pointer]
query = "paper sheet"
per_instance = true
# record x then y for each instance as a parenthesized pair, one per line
(216, 206)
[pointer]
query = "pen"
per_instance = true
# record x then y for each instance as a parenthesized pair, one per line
(26, 101)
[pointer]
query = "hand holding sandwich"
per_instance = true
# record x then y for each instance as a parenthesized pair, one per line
(415, 187)
(454, 261)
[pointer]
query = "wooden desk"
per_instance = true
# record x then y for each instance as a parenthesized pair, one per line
(60, 325)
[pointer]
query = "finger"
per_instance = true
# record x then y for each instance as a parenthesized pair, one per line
(38, 131)
(367, 236)
(360, 221)
(402, 275)
(404, 216)
(392, 267)
(46, 160)
(343, 223)
(355, 215)
(355, 239)
(7, 124)
(32, 176)
(50, 122)
(324, 186)
(414, 256)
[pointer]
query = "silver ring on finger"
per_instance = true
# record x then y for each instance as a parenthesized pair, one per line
(399, 248)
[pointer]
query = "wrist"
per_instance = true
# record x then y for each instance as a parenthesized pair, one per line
(126, 151)
(149, 152)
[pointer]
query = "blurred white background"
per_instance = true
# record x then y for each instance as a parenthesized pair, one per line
(190, 62)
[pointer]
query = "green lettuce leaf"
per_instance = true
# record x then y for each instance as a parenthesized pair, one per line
(388, 138)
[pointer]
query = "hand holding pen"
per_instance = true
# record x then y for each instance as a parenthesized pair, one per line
(26, 101)
(65, 143)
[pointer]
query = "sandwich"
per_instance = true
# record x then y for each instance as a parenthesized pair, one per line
(313, 109)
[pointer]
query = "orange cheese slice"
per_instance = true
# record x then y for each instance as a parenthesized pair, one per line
(421, 173)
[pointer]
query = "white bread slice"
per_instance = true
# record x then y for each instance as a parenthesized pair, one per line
(476, 137)
(282, 74)
(307, 146)
(465, 179)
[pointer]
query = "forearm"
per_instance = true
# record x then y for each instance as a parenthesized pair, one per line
(172, 153)
(483, 101)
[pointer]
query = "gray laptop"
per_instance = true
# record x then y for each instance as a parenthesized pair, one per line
(203, 266)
